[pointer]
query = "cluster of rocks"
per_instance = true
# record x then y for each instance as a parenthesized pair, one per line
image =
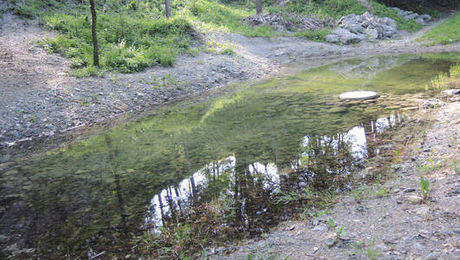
(293, 22)
(409, 15)
(356, 28)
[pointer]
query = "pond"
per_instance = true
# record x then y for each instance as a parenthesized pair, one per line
(160, 178)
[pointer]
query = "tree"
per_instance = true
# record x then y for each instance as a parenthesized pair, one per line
(93, 31)
(259, 6)
(168, 8)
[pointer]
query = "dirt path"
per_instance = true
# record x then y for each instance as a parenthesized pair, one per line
(40, 102)
(384, 221)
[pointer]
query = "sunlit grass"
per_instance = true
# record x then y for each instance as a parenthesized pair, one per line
(446, 33)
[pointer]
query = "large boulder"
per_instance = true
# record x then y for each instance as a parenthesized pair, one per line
(355, 28)
(344, 36)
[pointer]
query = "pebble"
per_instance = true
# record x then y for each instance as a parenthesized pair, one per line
(330, 242)
(414, 199)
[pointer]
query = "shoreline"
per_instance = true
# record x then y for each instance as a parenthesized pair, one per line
(47, 108)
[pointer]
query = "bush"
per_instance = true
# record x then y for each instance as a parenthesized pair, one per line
(128, 43)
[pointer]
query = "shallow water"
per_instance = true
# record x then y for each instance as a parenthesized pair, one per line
(238, 151)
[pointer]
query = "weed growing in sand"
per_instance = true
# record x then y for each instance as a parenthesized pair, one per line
(371, 252)
(358, 248)
(331, 223)
(339, 232)
(455, 165)
(425, 185)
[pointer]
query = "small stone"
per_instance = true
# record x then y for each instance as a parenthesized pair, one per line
(414, 199)
(315, 249)
(330, 242)
(220, 250)
(321, 228)
(457, 230)
(432, 256)
(409, 190)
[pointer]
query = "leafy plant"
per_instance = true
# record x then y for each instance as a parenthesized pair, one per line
(331, 223)
(425, 185)
(339, 232)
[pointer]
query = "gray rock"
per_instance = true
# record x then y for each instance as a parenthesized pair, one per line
(332, 38)
(451, 92)
(347, 37)
(432, 103)
(330, 242)
(371, 34)
(362, 27)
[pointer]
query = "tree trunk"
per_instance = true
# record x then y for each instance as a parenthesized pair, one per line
(93, 31)
(259, 6)
(168, 8)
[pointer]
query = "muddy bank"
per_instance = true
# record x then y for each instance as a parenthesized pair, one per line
(41, 103)
(386, 218)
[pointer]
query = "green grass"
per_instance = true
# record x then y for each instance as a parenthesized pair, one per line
(325, 9)
(318, 35)
(135, 35)
(128, 42)
(446, 33)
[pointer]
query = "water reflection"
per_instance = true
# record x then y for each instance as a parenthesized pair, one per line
(322, 159)
(228, 157)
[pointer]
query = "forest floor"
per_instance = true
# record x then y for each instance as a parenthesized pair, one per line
(388, 219)
(41, 102)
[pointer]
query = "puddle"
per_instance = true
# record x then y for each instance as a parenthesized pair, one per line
(230, 157)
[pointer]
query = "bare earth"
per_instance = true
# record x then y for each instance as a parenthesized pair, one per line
(397, 225)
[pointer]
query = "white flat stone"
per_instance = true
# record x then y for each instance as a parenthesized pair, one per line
(358, 95)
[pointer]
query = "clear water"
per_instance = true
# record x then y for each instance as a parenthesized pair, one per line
(239, 150)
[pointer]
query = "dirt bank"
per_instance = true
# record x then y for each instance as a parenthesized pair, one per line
(41, 102)
(385, 220)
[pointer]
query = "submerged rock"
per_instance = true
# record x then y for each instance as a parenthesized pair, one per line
(358, 95)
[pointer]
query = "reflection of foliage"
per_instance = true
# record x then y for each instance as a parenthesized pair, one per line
(324, 159)
(446, 80)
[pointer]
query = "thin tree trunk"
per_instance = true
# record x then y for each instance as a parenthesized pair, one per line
(259, 6)
(93, 31)
(168, 8)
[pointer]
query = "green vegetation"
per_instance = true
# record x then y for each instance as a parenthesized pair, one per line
(134, 35)
(425, 186)
(445, 33)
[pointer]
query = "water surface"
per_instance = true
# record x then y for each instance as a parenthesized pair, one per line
(238, 151)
